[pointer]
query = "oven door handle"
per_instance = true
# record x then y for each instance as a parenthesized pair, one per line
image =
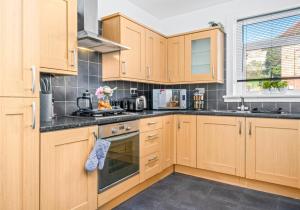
(123, 137)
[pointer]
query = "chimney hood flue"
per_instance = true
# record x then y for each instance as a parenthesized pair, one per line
(88, 29)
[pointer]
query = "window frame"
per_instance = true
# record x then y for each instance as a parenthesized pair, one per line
(233, 93)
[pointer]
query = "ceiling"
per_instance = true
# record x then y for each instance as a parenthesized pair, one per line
(167, 8)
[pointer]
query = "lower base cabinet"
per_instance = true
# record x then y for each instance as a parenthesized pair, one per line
(221, 144)
(65, 184)
(19, 149)
(186, 138)
(273, 151)
(150, 147)
(168, 146)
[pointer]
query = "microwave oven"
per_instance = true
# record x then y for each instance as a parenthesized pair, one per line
(169, 99)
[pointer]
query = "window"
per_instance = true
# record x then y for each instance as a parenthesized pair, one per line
(268, 54)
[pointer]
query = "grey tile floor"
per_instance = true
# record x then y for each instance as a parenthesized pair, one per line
(179, 191)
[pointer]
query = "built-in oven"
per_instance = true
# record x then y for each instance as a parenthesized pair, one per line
(122, 160)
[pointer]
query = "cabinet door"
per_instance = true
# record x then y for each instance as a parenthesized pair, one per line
(19, 149)
(59, 36)
(186, 140)
(272, 148)
(176, 59)
(133, 60)
(64, 182)
(156, 52)
(168, 143)
(150, 54)
(160, 71)
(203, 56)
(221, 144)
(19, 54)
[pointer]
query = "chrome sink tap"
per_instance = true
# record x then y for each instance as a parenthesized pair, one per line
(242, 107)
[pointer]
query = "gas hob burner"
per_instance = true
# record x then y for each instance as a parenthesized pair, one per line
(99, 113)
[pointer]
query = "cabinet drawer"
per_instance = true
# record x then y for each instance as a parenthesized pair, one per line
(150, 124)
(150, 142)
(149, 166)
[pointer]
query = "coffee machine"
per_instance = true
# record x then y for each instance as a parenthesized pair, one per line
(198, 98)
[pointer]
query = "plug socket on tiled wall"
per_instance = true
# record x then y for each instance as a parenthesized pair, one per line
(67, 88)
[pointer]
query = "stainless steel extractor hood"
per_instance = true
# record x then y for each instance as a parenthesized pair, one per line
(89, 35)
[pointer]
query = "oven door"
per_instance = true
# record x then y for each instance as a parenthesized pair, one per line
(122, 160)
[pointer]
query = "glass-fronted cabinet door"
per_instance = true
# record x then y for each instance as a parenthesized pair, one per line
(203, 56)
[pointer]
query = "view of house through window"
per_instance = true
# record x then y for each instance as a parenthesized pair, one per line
(268, 53)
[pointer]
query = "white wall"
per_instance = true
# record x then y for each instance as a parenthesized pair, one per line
(108, 7)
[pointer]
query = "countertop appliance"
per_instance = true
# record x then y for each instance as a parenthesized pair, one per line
(169, 99)
(134, 103)
(122, 160)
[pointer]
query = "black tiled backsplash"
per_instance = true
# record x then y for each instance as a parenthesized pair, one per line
(67, 88)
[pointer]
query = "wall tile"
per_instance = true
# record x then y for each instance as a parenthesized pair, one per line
(295, 107)
(59, 93)
(83, 55)
(94, 69)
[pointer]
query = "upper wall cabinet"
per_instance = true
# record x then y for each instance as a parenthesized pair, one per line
(156, 52)
(196, 57)
(59, 36)
(19, 54)
(127, 64)
(204, 56)
(175, 71)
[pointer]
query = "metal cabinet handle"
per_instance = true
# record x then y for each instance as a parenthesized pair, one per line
(123, 67)
(213, 71)
(74, 53)
(152, 136)
(179, 126)
(75, 57)
(153, 159)
(240, 127)
(33, 115)
(152, 123)
(250, 128)
(33, 70)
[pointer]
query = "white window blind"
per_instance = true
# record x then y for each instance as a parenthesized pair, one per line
(268, 48)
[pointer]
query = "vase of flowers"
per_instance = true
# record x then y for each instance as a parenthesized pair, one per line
(104, 94)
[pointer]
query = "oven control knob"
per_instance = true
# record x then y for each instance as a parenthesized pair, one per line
(128, 128)
(114, 130)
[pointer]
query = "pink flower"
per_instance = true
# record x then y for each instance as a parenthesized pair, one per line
(99, 93)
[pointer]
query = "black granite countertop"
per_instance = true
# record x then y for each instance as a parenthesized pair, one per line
(67, 122)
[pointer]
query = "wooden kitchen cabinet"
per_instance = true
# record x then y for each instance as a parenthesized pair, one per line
(168, 151)
(19, 149)
(221, 144)
(175, 72)
(156, 51)
(150, 147)
(19, 55)
(64, 182)
(186, 140)
(204, 56)
(126, 64)
(58, 41)
(272, 151)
